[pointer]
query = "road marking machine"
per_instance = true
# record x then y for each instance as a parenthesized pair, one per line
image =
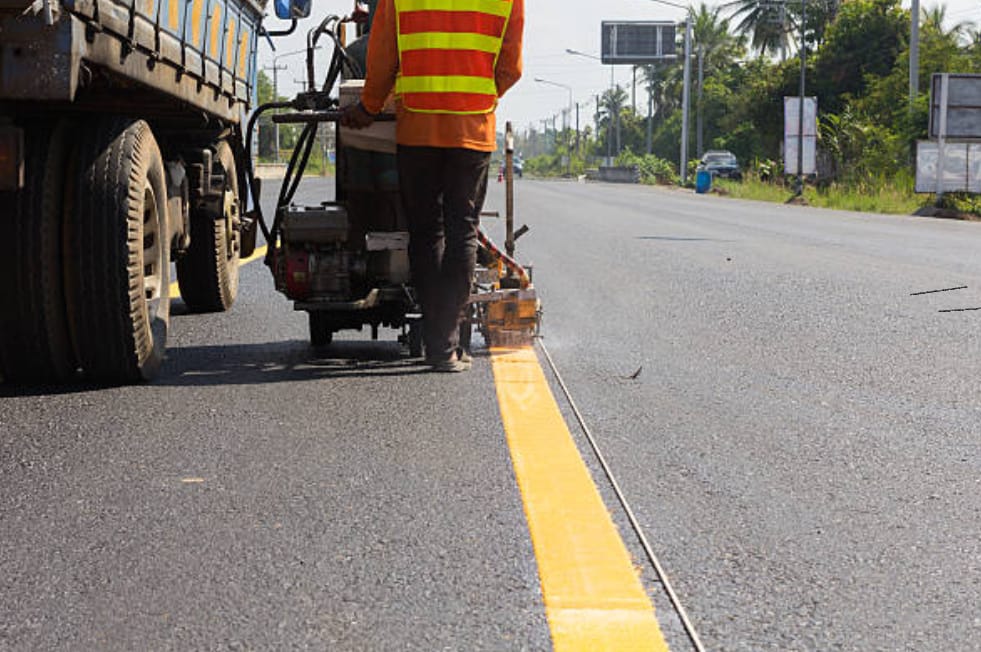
(345, 262)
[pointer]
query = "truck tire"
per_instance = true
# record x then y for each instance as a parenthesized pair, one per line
(208, 273)
(34, 342)
(116, 231)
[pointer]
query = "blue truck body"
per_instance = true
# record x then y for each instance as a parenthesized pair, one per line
(198, 54)
(122, 150)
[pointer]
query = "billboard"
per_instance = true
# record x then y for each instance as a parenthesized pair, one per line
(958, 169)
(963, 105)
(637, 42)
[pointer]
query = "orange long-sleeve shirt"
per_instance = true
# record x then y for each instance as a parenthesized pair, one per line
(476, 132)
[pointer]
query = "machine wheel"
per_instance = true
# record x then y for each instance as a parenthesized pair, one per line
(321, 334)
(208, 273)
(118, 279)
(34, 342)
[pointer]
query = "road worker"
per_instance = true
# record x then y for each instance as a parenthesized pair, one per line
(448, 62)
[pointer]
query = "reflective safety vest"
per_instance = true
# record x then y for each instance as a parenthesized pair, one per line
(448, 50)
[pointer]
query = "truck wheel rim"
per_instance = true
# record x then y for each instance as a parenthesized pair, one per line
(232, 224)
(152, 267)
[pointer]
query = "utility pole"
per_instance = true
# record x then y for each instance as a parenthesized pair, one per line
(800, 116)
(686, 101)
(650, 123)
(596, 120)
(914, 52)
(609, 127)
(275, 71)
(633, 91)
(700, 109)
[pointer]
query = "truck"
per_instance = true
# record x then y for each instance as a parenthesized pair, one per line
(121, 150)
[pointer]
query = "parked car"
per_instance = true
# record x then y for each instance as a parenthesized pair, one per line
(721, 163)
(518, 168)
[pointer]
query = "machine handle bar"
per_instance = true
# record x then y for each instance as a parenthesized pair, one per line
(308, 117)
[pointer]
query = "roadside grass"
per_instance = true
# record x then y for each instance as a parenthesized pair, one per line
(880, 197)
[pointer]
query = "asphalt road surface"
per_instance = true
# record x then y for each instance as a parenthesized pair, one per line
(799, 437)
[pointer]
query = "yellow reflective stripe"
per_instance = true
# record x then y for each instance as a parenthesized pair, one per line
(449, 41)
(493, 7)
(446, 84)
(196, 22)
(230, 44)
(215, 27)
(243, 53)
(174, 13)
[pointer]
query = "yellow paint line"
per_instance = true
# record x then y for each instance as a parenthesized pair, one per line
(593, 596)
(259, 252)
(175, 291)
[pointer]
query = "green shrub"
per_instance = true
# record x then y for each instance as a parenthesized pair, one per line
(653, 169)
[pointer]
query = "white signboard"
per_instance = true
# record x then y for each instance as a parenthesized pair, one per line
(791, 134)
(790, 154)
(961, 168)
(963, 106)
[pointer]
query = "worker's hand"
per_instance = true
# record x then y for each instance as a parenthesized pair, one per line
(356, 117)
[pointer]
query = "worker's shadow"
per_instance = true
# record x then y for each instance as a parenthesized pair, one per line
(289, 361)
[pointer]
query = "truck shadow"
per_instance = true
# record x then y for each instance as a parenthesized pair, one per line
(290, 361)
(247, 364)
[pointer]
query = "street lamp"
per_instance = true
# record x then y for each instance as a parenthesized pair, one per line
(275, 70)
(609, 135)
(569, 89)
(685, 99)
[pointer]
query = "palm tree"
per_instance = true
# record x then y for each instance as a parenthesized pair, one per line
(713, 37)
(716, 48)
(933, 19)
(611, 106)
(766, 22)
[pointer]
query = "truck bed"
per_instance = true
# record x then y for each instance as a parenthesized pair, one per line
(195, 52)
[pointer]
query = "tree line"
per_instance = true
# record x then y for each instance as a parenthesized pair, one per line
(857, 65)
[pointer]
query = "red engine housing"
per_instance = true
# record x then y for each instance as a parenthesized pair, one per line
(298, 277)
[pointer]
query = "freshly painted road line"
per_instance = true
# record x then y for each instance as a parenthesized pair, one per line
(175, 291)
(593, 597)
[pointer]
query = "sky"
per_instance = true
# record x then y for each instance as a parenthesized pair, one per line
(551, 27)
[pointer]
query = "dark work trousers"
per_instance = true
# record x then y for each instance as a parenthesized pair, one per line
(443, 193)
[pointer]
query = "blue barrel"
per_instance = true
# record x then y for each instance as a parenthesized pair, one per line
(703, 181)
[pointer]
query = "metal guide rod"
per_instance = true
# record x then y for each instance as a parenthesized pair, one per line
(662, 575)
(509, 188)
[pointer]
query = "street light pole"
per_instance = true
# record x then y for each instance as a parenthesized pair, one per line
(686, 101)
(610, 126)
(569, 89)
